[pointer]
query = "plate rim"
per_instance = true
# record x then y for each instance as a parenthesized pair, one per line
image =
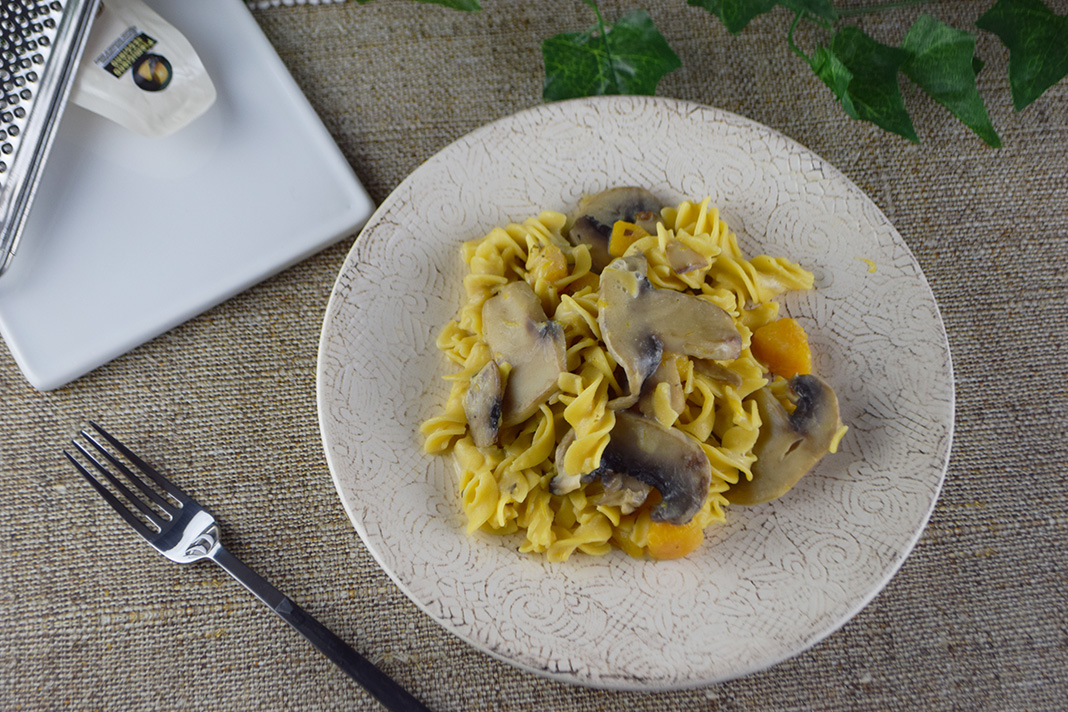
(627, 683)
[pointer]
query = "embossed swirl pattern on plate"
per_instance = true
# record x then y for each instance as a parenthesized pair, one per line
(774, 579)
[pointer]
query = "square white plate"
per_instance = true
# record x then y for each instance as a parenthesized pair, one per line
(145, 233)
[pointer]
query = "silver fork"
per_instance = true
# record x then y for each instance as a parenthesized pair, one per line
(183, 531)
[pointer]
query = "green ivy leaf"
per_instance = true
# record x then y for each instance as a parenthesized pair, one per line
(822, 9)
(1038, 45)
(835, 75)
(465, 5)
(628, 57)
(871, 92)
(735, 14)
(942, 64)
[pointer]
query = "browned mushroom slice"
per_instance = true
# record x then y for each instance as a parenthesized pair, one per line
(519, 333)
(482, 404)
(789, 445)
(595, 215)
(660, 457)
(640, 322)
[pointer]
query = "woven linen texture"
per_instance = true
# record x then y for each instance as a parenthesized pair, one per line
(225, 403)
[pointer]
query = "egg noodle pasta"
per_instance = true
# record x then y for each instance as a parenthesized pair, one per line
(533, 478)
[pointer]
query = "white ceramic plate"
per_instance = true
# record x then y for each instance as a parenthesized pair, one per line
(776, 578)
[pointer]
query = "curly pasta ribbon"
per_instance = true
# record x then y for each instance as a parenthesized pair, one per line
(505, 488)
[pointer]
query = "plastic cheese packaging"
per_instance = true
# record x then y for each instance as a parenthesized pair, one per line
(140, 72)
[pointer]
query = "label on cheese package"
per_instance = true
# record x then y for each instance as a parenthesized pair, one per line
(141, 72)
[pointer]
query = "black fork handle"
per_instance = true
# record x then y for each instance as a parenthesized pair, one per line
(383, 688)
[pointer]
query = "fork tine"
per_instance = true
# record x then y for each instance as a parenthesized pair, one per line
(111, 499)
(123, 489)
(134, 479)
(169, 487)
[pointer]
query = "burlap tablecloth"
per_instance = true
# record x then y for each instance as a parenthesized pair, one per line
(91, 618)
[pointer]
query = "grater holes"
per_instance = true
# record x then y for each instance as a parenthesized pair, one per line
(29, 35)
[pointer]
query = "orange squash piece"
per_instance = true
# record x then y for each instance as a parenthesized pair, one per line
(548, 263)
(674, 541)
(783, 347)
(624, 234)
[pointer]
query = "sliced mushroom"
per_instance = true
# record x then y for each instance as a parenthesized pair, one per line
(660, 457)
(623, 491)
(717, 372)
(642, 454)
(667, 373)
(789, 445)
(519, 333)
(482, 404)
(595, 215)
(640, 322)
(683, 259)
(562, 482)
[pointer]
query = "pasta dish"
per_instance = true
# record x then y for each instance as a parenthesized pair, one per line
(623, 374)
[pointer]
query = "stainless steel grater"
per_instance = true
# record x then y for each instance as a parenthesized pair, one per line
(42, 44)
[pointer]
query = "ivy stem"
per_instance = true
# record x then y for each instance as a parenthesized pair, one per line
(604, 37)
(597, 11)
(790, 37)
(855, 11)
